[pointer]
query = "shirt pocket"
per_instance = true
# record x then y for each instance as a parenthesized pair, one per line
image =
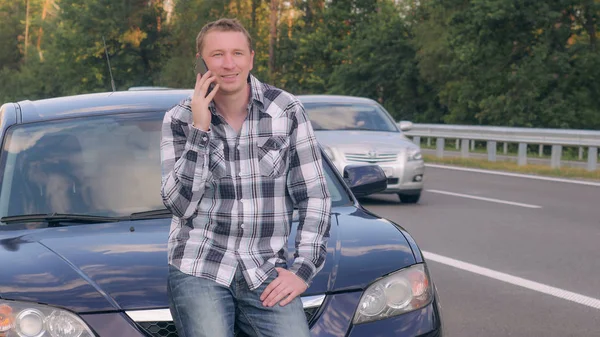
(217, 164)
(273, 155)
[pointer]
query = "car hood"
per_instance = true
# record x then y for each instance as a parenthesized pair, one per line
(123, 266)
(350, 139)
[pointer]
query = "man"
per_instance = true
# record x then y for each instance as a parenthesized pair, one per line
(235, 164)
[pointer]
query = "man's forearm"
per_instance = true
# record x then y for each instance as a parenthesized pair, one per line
(184, 165)
(308, 188)
(312, 237)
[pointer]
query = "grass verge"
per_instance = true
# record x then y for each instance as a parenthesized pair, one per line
(541, 170)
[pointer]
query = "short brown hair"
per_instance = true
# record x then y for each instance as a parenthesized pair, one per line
(223, 25)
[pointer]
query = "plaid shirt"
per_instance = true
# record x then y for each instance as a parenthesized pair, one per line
(232, 195)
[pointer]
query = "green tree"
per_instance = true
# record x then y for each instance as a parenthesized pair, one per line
(380, 64)
(134, 38)
(508, 62)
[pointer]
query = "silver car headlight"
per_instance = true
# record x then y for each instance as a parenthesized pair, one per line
(414, 154)
(398, 293)
(35, 320)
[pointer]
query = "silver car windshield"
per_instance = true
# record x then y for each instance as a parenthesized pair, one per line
(101, 166)
(330, 116)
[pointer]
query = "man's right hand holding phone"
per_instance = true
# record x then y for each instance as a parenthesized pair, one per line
(200, 100)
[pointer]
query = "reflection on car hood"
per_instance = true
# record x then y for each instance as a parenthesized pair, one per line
(373, 139)
(103, 267)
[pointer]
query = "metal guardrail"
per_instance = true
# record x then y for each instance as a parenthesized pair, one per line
(556, 138)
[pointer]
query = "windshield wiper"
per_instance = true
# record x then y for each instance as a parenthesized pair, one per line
(153, 214)
(54, 218)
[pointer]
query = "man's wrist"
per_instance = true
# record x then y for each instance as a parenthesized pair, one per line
(200, 127)
(197, 140)
(303, 270)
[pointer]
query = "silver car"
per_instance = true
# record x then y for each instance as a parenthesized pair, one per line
(356, 130)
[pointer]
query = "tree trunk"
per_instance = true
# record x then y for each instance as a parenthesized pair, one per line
(309, 15)
(313, 9)
(41, 30)
(26, 30)
(273, 37)
(255, 5)
(168, 7)
(590, 25)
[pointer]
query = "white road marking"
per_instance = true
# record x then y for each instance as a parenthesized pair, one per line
(484, 199)
(516, 175)
(518, 281)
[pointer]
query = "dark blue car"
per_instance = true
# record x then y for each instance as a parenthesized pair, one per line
(83, 232)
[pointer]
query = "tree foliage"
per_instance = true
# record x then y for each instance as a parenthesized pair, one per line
(488, 62)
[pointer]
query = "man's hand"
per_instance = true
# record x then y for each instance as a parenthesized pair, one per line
(286, 287)
(199, 104)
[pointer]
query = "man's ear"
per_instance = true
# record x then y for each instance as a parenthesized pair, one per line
(197, 55)
(252, 59)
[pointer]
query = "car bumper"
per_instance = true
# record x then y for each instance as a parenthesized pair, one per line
(408, 179)
(334, 319)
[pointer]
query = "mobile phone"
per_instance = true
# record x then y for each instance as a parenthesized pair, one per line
(201, 69)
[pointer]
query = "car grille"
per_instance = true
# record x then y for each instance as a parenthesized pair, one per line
(159, 329)
(311, 313)
(371, 157)
(393, 181)
(167, 329)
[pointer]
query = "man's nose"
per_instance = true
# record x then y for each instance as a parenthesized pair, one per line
(228, 61)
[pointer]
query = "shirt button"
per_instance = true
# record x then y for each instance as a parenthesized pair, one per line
(242, 226)
(204, 138)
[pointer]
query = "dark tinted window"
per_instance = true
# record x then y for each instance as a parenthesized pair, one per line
(107, 165)
(333, 116)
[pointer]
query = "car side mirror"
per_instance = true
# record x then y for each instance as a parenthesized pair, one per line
(365, 179)
(405, 125)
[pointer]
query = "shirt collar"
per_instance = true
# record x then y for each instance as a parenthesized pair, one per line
(256, 90)
(257, 94)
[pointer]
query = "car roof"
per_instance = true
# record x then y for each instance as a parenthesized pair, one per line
(150, 99)
(101, 103)
(334, 99)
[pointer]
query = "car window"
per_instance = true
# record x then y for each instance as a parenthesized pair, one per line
(331, 116)
(108, 165)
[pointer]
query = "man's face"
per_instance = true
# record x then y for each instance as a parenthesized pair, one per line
(228, 56)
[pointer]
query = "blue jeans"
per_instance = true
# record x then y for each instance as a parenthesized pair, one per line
(201, 307)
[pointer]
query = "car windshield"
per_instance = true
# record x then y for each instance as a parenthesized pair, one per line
(332, 116)
(97, 166)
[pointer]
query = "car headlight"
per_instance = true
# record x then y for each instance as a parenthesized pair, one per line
(36, 320)
(329, 152)
(398, 293)
(414, 154)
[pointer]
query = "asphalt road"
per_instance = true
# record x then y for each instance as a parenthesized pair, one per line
(510, 256)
